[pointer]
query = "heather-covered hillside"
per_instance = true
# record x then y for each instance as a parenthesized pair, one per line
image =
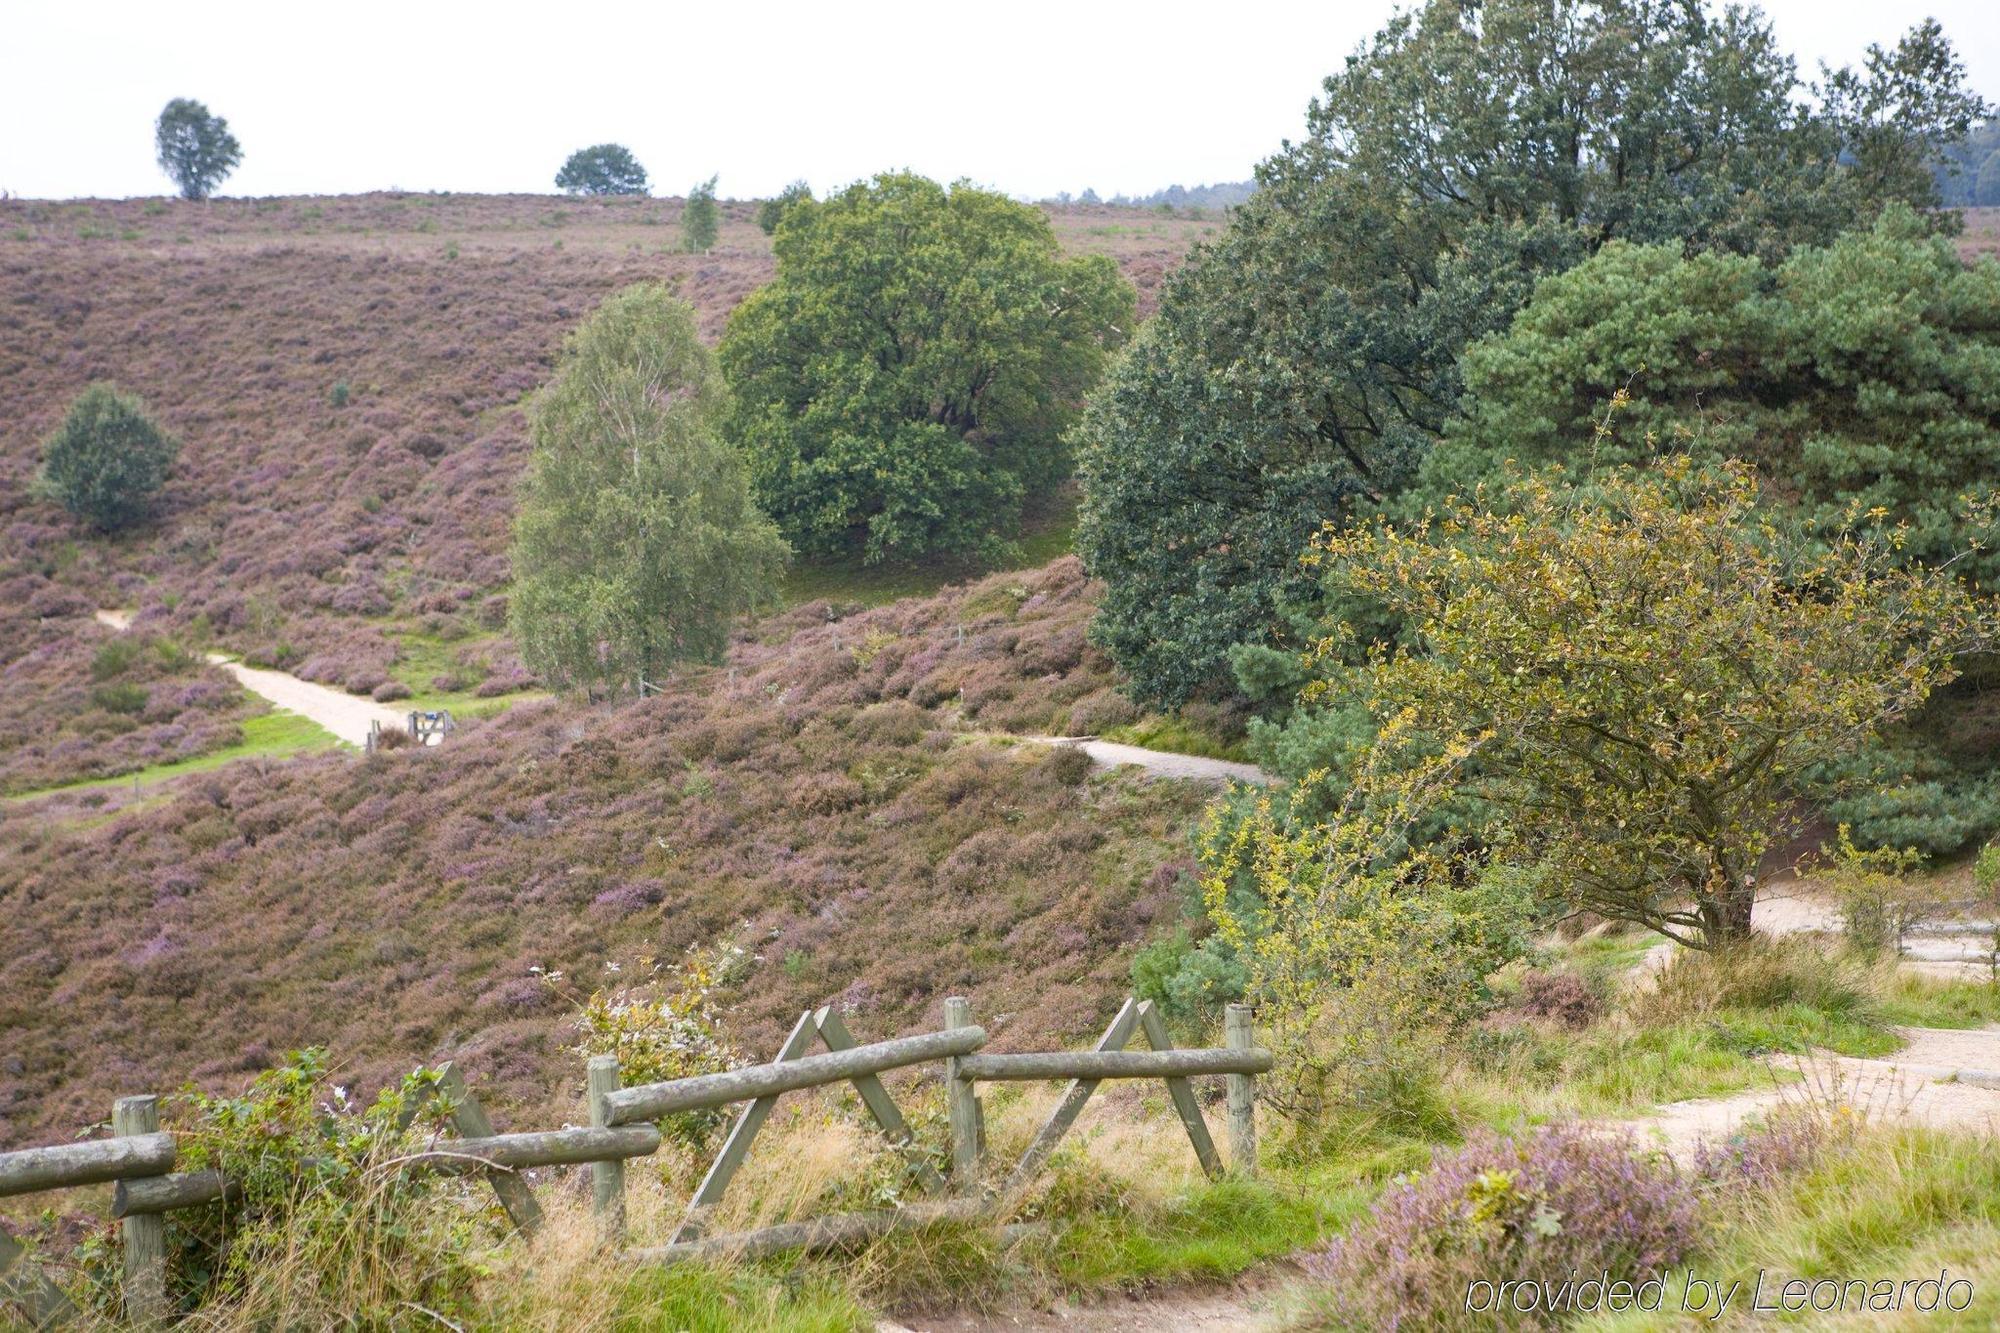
(347, 376)
(829, 799)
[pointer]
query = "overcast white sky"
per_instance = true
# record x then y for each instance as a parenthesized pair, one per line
(1022, 95)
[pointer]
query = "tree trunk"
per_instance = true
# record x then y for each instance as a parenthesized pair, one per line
(1725, 910)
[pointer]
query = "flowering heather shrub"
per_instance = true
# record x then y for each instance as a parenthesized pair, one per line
(396, 499)
(1569, 998)
(1565, 1200)
(77, 701)
(382, 907)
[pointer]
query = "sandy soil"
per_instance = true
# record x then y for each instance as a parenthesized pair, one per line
(1162, 763)
(347, 716)
(1944, 1077)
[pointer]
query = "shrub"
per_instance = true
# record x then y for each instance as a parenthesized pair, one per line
(665, 1027)
(330, 1229)
(1563, 1202)
(107, 459)
(120, 697)
(338, 395)
(1877, 904)
(1639, 667)
(115, 657)
(388, 691)
(1189, 981)
(1068, 764)
(1568, 998)
(1362, 967)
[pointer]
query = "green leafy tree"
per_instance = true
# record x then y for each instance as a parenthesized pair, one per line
(1858, 373)
(909, 375)
(107, 459)
(636, 542)
(1630, 676)
(772, 211)
(1301, 366)
(195, 148)
(699, 219)
(1986, 190)
(606, 168)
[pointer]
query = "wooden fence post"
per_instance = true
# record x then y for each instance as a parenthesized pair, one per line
(962, 1106)
(469, 1118)
(607, 1179)
(145, 1236)
(1238, 1036)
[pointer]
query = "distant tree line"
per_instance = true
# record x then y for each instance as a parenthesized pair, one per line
(1225, 194)
(1969, 177)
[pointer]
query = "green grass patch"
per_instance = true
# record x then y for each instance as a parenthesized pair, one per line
(422, 658)
(1915, 1000)
(1158, 732)
(703, 1299)
(266, 735)
(1048, 532)
(1208, 1234)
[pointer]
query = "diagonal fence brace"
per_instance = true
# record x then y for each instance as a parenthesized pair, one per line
(1059, 1121)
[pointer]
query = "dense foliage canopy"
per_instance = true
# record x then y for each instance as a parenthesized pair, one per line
(606, 168)
(1630, 675)
(909, 375)
(1304, 362)
(1866, 371)
(636, 540)
(107, 459)
(195, 147)
(772, 211)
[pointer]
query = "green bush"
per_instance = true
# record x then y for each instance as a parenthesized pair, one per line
(107, 459)
(331, 1227)
(120, 697)
(1189, 981)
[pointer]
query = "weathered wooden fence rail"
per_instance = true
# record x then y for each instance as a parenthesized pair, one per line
(139, 1159)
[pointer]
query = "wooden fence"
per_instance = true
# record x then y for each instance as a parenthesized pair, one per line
(139, 1158)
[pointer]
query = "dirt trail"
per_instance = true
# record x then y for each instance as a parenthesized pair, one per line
(1162, 763)
(1944, 1077)
(347, 716)
(1917, 1083)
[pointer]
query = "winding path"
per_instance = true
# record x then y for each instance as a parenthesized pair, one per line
(1161, 763)
(347, 716)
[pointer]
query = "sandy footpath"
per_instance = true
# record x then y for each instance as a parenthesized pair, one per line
(347, 716)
